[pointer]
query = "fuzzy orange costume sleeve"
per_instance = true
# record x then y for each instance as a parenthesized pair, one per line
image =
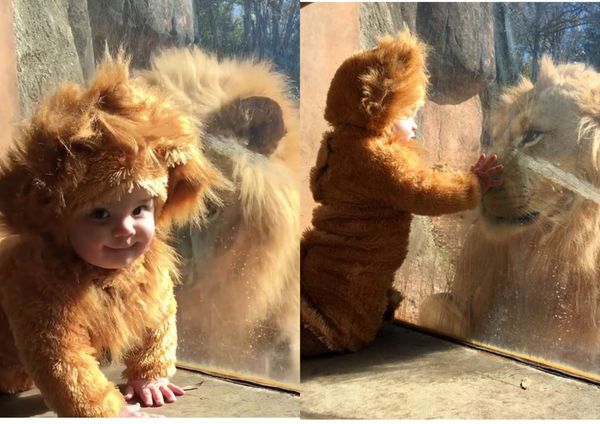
(415, 187)
(155, 357)
(69, 377)
(356, 169)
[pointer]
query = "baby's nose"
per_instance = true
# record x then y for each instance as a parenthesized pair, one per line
(124, 228)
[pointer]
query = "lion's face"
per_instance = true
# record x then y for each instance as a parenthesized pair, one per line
(547, 143)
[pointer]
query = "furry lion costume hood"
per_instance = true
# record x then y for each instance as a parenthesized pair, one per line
(372, 88)
(84, 146)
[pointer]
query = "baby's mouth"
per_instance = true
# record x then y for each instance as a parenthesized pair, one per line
(124, 247)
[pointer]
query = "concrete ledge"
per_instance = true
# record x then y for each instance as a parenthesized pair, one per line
(204, 397)
(409, 375)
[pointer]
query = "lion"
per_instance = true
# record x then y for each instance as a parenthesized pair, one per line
(528, 276)
(240, 299)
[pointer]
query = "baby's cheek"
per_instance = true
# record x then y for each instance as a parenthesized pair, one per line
(92, 247)
(146, 232)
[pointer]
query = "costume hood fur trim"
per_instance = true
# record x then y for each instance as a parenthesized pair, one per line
(87, 145)
(373, 88)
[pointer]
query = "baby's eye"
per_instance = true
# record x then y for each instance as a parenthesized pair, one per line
(100, 214)
(140, 209)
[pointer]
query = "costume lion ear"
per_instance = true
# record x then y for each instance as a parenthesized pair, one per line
(192, 182)
(17, 201)
(32, 195)
(373, 88)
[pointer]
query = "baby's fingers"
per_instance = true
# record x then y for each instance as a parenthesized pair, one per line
(168, 395)
(146, 396)
(477, 165)
(480, 160)
(491, 160)
(129, 393)
(494, 170)
(175, 389)
(157, 396)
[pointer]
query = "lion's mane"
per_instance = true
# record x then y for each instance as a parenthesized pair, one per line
(528, 276)
(241, 297)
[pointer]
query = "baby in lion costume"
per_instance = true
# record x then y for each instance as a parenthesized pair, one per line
(88, 196)
(369, 179)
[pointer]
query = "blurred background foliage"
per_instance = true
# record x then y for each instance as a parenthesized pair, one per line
(568, 32)
(261, 29)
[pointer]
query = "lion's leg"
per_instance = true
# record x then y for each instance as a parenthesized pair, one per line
(441, 313)
(483, 299)
(13, 377)
(287, 324)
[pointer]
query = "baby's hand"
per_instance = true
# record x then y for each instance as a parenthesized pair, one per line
(485, 172)
(153, 392)
(133, 411)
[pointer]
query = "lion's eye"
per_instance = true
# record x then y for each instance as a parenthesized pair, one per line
(531, 137)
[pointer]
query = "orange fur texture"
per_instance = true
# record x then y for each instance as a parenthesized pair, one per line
(240, 290)
(59, 314)
(368, 185)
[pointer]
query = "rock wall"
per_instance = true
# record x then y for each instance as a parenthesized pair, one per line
(8, 77)
(45, 49)
(377, 19)
(461, 61)
(61, 40)
(140, 26)
(82, 35)
(329, 33)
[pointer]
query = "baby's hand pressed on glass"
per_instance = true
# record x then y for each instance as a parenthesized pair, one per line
(153, 392)
(485, 171)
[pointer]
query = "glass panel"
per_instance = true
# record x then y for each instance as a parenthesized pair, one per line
(239, 301)
(520, 274)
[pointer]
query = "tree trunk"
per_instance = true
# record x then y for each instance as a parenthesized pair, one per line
(247, 27)
(213, 24)
(535, 53)
(275, 19)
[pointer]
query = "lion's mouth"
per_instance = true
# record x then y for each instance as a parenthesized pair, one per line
(526, 219)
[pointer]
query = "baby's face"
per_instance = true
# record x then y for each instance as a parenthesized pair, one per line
(405, 129)
(113, 235)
